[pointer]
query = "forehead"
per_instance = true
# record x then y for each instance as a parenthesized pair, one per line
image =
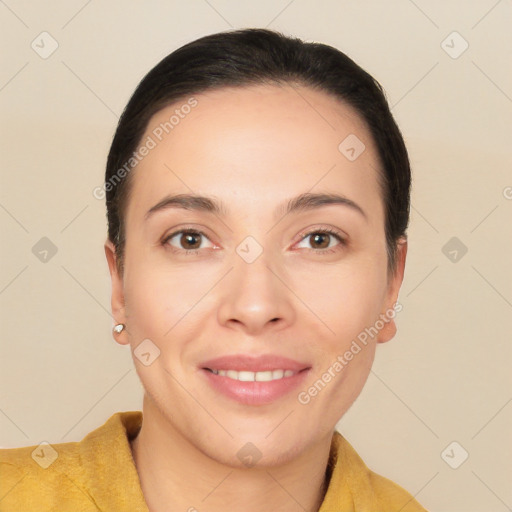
(260, 141)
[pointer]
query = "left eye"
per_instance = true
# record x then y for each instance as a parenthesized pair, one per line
(323, 238)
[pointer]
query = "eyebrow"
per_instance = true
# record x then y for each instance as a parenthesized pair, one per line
(300, 203)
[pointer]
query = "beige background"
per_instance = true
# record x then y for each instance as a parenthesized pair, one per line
(446, 376)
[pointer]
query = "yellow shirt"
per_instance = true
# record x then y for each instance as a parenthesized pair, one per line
(98, 474)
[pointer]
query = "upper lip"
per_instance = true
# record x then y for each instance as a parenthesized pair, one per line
(261, 363)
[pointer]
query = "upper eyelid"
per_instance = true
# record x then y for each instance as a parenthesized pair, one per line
(185, 230)
(325, 229)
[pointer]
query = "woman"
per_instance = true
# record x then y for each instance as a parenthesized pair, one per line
(257, 192)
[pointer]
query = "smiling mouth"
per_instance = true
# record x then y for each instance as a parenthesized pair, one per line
(262, 376)
(272, 380)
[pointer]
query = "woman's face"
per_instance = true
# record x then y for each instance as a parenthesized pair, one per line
(254, 282)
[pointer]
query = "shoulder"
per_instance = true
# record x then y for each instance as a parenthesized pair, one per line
(392, 496)
(30, 476)
(362, 487)
(70, 476)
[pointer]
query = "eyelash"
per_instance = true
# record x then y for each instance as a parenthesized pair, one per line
(315, 231)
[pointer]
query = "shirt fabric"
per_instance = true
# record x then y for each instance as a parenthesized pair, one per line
(99, 474)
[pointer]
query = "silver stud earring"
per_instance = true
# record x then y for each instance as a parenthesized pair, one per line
(118, 328)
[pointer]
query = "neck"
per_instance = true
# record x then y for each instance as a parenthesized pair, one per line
(176, 475)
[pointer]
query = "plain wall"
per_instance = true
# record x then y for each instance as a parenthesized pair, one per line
(446, 375)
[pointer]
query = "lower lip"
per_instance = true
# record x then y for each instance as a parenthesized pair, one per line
(255, 392)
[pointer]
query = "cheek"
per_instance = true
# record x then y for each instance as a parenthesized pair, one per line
(346, 300)
(160, 292)
(155, 300)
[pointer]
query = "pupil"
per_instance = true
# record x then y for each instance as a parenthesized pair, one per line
(188, 237)
(319, 235)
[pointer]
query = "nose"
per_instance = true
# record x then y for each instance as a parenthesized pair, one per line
(255, 297)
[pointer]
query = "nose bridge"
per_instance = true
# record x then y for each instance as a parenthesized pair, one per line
(253, 266)
(254, 295)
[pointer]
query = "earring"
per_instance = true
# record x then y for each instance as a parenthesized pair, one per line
(118, 328)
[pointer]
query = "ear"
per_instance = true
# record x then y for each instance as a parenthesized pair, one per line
(117, 299)
(394, 284)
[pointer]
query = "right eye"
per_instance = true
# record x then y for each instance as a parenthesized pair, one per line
(185, 240)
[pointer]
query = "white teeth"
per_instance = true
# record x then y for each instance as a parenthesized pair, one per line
(278, 374)
(246, 376)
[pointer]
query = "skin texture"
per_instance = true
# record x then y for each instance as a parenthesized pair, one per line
(253, 148)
